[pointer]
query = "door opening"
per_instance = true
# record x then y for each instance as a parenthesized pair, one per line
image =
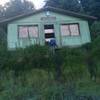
(49, 33)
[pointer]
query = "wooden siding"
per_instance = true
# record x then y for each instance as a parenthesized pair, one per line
(83, 38)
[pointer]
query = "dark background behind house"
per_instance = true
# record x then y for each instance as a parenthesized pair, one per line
(16, 7)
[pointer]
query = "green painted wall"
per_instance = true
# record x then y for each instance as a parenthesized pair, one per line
(14, 42)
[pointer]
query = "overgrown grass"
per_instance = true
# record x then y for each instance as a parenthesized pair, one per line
(35, 71)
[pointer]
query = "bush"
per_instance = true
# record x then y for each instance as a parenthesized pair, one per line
(65, 61)
(74, 66)
(95, 54)
(95, 29)
(27, 59)
(29, 84)
(33, 71)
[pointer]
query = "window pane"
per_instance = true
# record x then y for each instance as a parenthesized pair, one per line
(33, 31)
(23, 32)
(74, 30)
(49, 30)
(65, 30)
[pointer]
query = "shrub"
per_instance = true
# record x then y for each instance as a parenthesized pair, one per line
(74, 66)
(95, 54)
(29, 84)
(28, 58)
(33, 71)
(95, 29)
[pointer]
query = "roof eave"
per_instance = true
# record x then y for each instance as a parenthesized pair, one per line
(65, 12)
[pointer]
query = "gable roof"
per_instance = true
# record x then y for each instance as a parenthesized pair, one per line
(57, 10)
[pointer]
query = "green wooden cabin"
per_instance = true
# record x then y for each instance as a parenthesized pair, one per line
(39, 27)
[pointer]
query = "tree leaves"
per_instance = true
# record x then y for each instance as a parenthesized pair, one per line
(90, 7)
(16, 7)
(72, 5)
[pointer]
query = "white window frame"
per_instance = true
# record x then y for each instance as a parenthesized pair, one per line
(28, 26)
(69, 29)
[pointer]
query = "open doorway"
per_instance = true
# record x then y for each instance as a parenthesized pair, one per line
(49, 33)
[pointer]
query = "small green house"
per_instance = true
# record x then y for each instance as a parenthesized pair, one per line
(41, 26)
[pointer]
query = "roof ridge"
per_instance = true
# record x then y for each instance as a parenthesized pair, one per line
(70, 11)
(59, 10)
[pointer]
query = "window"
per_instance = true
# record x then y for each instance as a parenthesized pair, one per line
(65, 30)
(23, 32)
(70, 30)
(49, 33)
(33, 31)
(28, 31)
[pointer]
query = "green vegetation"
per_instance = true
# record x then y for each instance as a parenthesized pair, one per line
(35, 72)
(90, 7)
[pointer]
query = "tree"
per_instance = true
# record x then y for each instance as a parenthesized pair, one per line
(91, 7)
(96, 9)
(16, 7)
(1, 11)
(72, 5)
(95, 30)
(87, 5)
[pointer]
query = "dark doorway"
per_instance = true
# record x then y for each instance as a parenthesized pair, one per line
(49, 33)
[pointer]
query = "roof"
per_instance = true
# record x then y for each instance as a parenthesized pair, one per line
(57, 10)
